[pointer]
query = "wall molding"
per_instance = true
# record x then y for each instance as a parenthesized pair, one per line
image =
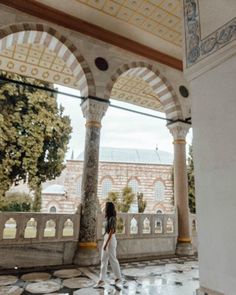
(197, 48)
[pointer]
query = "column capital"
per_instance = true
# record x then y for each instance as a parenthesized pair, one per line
(93, 111)
(179, 130)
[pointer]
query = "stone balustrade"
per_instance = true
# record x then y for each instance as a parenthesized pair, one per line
(143, 235)
(141, 225)
(39, 239)
(21, 228)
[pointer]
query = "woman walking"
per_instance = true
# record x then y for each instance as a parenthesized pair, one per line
(109, 246)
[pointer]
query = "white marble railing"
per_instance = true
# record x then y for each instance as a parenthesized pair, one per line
(24, 227)
(141, 225)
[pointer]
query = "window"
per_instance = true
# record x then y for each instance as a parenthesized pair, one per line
(79, 186)
(106, 187)
(159, 191)
(159, 211)
(133, 183)
(53, 209)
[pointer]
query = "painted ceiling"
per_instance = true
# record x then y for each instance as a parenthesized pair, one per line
(37, 61)
(154, 23)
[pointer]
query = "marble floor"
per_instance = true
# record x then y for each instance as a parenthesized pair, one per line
(174, 276)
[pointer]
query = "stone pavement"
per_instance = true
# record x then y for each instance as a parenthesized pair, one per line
(174, 276)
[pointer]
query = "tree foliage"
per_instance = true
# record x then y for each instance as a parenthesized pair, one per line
(34, 135)
(141, 203)
(123, 200)
(191, 182)
(16, 201)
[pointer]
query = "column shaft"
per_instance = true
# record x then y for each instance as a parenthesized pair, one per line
(181, 190)
(89, 186)
(87, 253)
(179, 131)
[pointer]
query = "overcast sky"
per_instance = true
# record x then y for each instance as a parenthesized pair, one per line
(119, 128)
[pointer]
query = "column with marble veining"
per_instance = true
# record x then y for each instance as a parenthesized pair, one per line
(179, 131)
(87, 254)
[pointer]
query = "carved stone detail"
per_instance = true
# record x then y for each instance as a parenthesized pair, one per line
(179, 130)
(94, 110)
(197, 48)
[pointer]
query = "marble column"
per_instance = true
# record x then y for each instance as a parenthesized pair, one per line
(179, 131)
(87, 253)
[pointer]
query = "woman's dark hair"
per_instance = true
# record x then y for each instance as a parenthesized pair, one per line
(110, 210)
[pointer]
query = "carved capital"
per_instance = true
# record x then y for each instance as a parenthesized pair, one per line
(94, 110)
(179, 131)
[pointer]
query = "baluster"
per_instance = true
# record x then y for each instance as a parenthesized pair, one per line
(140, 218)
(60, 226)
(41, 224)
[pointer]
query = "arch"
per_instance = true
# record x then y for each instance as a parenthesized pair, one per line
(105, 177)
(34, 33)
(159, 206)
(10, 228)
(53, 204)
(156, 80)
(53, 209)
(159, 211)
(134, 183)
(159, 190)
(106, 186)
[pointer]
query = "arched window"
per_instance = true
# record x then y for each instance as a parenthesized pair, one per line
(79, 186)
(159, 190)
(106, 187)
(133, 183)
(159, 211)
(53, 209)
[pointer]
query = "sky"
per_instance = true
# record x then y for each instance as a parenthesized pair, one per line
(119, 128)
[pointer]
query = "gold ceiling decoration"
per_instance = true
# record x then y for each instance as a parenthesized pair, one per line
(158, 17)
(37, 61)
(136, 91)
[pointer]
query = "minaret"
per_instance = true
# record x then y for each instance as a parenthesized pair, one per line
(72, 155)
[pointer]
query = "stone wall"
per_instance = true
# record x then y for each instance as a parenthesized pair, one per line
(120, 174)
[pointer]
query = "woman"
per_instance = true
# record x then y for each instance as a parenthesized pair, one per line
(109, 246)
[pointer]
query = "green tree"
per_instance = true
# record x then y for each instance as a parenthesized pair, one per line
(16, 201)
(191, 181)
(34, 135)
(127, 198)
(122, 200)
(141, 203)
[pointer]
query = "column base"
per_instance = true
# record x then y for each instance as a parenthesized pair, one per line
(87, 256)
(184, 249)
(205, 291)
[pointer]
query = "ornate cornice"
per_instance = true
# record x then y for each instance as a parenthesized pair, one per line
(197, 48)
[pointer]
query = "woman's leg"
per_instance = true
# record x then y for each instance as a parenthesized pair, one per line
(112, 258)
(104, 264)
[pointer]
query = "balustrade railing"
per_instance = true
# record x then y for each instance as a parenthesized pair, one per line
(140, 225)
(24, 227)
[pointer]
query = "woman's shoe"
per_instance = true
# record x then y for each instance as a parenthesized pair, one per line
(118, 281)
(100, 284)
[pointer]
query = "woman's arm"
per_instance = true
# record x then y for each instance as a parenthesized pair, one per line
(109, 237)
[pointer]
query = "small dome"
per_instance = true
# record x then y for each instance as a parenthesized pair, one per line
(55, 189)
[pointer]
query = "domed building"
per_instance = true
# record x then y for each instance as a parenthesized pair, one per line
(145, 171)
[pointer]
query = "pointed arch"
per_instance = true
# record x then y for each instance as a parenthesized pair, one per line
(156, 80)
(34, 33)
